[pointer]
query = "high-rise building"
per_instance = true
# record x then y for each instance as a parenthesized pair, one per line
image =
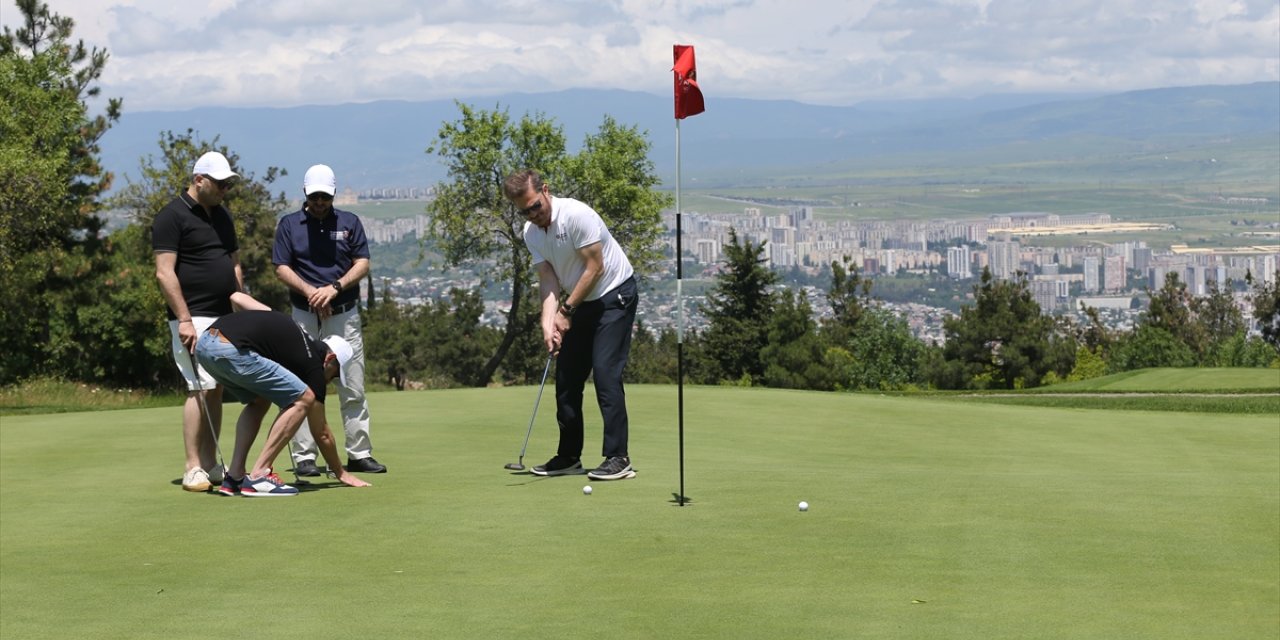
(708, 251)
(1004, 258)
(1195, 277)
(1113, 274)
(1091, 264)
(959, 262)
(1045, 293)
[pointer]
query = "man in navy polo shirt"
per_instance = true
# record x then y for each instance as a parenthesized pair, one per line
(321, 254)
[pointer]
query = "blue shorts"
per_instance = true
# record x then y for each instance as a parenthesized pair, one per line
(247, 375)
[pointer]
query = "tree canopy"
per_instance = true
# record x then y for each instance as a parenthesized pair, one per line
(472, 222)
(50, 180)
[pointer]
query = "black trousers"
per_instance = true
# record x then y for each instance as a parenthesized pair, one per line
(599, 341)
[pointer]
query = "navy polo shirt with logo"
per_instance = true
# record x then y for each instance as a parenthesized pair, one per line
(320, 251)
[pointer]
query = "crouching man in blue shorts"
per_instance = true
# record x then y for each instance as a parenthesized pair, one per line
(262, 357)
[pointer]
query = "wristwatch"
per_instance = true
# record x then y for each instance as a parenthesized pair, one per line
(567, 310)
(337, 286)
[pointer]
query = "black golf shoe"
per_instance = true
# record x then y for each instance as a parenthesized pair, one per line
(615, 468)
(307, 469)
(559, 466)
(365, 465)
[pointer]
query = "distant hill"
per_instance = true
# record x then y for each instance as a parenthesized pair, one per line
(383, 143)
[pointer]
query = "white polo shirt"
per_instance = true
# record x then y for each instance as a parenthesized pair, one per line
(575, 225)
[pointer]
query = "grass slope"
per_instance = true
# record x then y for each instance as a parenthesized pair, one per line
(929, 519)
(1172, 380)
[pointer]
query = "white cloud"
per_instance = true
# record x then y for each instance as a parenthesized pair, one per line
(169, 55)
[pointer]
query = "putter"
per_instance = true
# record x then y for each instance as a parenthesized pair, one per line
(296, 480)
(519, 466)
(204, 409)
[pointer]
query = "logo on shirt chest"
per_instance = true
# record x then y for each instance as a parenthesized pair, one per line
(562, 236)
(338, 235)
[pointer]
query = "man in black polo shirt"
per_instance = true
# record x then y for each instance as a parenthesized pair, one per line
(321, 254)
(262, 358)
(198, 267)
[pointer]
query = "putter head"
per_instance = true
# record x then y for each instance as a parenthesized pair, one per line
(514, 466)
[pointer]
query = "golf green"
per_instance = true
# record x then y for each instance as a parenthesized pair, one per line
(928, 518)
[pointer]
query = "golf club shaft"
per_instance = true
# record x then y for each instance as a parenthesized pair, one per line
(536, 402)
(204, 410)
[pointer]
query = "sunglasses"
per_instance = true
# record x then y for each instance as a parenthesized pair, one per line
(319, 195)
(532, 209)
(221, 184)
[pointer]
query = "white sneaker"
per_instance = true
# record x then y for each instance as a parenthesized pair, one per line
(216, 474)
(196, 479)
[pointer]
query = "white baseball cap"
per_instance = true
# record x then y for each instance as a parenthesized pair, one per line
(342, 349)
(214, 165)
(319, 178)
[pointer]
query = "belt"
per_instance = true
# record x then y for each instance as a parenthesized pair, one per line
(337, 308)
(219, 335)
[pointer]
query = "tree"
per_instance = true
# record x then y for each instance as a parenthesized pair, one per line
(50, 181)
(794, 356)
(850, 297)
(1172, 311)
(653, 356)
(868, 347)
(738, 308)
(1220, 321)
(473, 222)
(883, 353)
(1266, 308)
(1150, 346)
(1002, 340)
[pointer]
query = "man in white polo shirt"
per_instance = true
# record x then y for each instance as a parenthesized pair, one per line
(588, 293)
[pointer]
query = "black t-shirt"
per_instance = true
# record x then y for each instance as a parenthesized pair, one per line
(204, 242)
(276, 337)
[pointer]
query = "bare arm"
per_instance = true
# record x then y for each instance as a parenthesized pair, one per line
(593, 256)
(241, 301)
(167, 275)
(291, 279)
(549, 293)
(328, 446)
(235, 261)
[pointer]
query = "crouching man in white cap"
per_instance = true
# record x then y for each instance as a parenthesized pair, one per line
(261, 357)
(321, 254)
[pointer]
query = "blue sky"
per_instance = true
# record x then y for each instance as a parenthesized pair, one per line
(175, 55)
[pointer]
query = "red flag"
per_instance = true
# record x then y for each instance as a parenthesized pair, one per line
(688, 95)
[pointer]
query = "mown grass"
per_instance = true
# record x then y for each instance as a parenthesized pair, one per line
(928, 519)
(1177, 380)
(1224, 404)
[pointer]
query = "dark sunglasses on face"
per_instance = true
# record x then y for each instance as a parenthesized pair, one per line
(319, 195)
(221, 184)
(532, 209)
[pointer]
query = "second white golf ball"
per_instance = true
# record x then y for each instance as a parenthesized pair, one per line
(804, 506)
(586, 490)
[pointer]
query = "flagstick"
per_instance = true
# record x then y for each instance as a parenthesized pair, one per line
(680, 317)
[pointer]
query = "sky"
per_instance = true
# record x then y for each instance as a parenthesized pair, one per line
(176, 55)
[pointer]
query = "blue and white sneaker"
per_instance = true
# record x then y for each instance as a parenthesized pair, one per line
(230, 486)
(268, 486)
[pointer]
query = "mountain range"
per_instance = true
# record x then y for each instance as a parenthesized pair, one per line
(736, 141)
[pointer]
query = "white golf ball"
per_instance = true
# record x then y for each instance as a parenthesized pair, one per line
(586, 491)
(804, 506)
